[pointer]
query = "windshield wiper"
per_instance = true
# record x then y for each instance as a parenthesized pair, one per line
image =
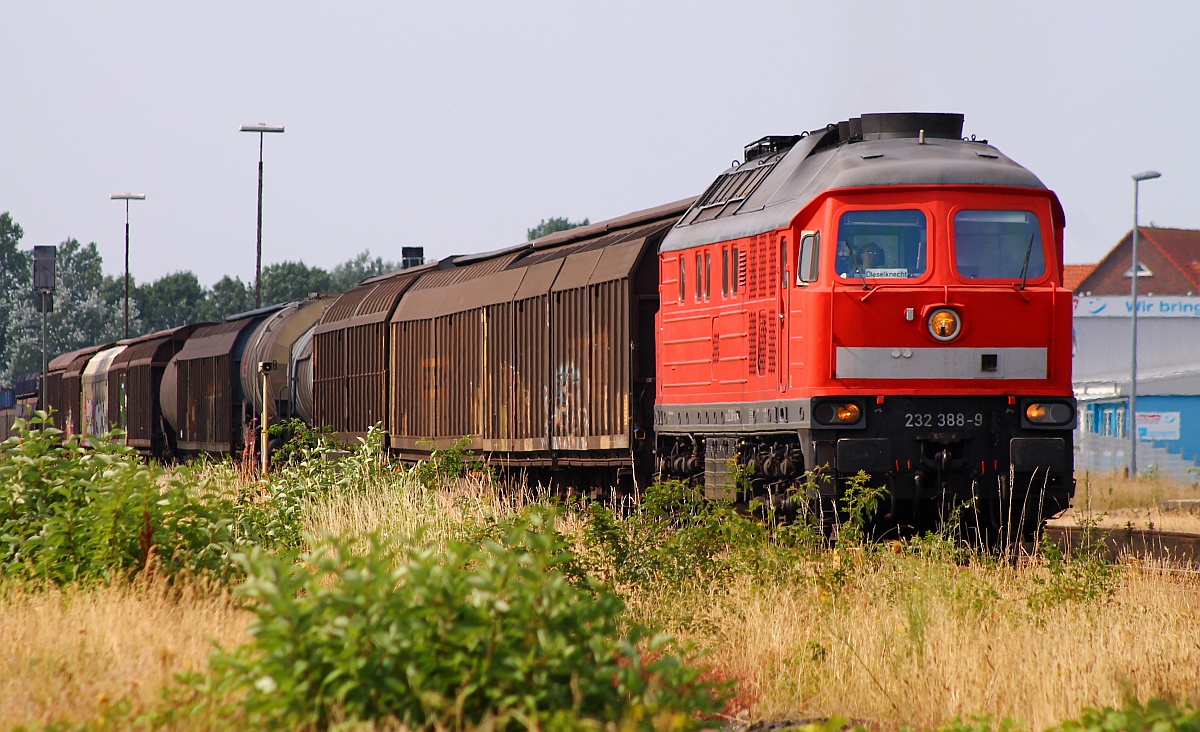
(1025, 266)
(859, 268)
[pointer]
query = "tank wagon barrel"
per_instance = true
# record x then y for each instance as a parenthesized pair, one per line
(272, 341)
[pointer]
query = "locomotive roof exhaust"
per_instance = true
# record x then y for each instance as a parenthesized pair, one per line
(896, 125)
(876, 126)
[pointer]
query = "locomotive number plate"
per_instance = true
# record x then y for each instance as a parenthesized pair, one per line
(943, 419)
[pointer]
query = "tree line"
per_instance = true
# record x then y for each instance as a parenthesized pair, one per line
(89, 305)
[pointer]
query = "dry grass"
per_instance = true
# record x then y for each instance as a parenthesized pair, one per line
(902, 639)
(69, 654)
(399, 505)
(1112, 500)
(919, 643)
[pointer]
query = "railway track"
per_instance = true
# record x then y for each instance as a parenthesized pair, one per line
(1173, 547)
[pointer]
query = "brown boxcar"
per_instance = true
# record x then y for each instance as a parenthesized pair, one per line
(64, 387)
(134, 383)
(540, 355)
(350, 355)
(201, 393)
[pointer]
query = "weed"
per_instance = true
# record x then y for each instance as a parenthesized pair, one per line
(860, 501)
(445, 464)
(299, 442)
(1084, 577)
(377, 629)
(73, 513)
(1157, 715)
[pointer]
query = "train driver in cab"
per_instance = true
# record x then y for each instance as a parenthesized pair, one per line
(851, 263)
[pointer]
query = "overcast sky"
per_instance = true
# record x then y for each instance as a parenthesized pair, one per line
(457, 126)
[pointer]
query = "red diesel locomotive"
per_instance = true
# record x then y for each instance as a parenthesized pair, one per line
(881, 295)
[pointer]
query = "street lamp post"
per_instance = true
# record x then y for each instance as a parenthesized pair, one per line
(127, 197)
(260, 128)
(1133, 289)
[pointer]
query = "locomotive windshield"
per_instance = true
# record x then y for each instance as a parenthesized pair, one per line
(998, 245)
(882, 244)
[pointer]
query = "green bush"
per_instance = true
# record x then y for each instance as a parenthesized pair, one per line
(675, 535)
(446, 464)
(1157, 715)
(378, 630)
(1086, 576)
(74, 513)
(298, 441)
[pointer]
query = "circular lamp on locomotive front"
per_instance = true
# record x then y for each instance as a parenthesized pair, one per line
(945, 324)
(1049, 413)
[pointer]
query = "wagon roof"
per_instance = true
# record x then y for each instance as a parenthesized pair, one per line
(60, 363)
(573, 258)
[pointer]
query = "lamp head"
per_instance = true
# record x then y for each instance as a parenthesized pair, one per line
(128, 197)
(1146, 175)
(261, 127)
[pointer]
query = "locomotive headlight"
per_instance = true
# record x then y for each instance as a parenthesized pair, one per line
(1049, 413)
(848, 413)
(837, 413)
(944, 324)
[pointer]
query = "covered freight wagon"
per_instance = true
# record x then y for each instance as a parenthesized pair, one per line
(99, 412)
(541, 355)
(201, 392)
(134, 381)
(350, 355)
(64, 387)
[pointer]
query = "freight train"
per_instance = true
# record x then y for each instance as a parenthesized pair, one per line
(879, 295)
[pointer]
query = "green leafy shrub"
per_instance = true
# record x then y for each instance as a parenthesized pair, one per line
(445, 464)
(1157, 715)
(674, 535)
(298, 441)
(861, 502)
(1086, 576)
(74, 513)
(377, 630)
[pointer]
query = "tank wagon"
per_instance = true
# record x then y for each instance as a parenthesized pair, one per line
(272, 342)
(211, 392)
(881, 296)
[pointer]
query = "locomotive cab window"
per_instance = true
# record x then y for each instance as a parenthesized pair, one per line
(998, 245)
(808, 257)
(882, 244)
(682, 277)
(699, 276)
